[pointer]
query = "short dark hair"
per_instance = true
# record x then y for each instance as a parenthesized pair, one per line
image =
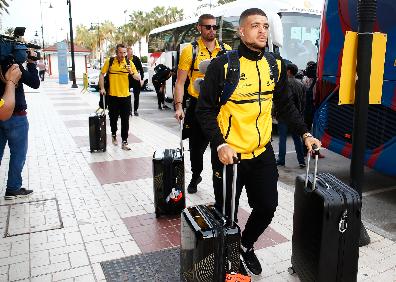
(292, 68)
(120, 46)
(205, 17)
(251, 12)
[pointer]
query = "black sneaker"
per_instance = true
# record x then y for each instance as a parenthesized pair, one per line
(251, 261)
(17, 194)
(302, 165)
(279, 163)
(192, 187)
(159, 107)
(165, 107)
(136, 113)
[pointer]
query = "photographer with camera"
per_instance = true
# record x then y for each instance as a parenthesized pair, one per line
(7, 101)
(15, 130)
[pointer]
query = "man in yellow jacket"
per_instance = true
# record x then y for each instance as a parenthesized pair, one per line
(119, 101)
(206, 48)
(241, 127)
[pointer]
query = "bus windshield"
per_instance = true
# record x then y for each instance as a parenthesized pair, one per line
(301, 33)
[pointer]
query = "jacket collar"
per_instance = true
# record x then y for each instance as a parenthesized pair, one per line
(249, 53)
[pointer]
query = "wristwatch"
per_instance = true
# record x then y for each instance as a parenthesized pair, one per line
(306, 135)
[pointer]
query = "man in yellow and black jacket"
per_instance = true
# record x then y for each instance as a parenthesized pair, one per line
(119, 101)
(206, 48)
(241, 126)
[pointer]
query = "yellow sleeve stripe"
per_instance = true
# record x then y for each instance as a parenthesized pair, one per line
(1, 102)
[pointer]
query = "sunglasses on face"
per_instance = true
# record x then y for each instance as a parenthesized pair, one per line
(208, 26)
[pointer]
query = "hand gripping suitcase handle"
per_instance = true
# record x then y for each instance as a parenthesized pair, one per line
(316, 153)
(233, 189)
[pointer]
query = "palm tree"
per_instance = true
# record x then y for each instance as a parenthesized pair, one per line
(9, 31)
(3, 6)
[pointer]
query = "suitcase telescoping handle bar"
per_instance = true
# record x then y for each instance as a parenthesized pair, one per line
(233, 190)
(316, 154)
(181, 137)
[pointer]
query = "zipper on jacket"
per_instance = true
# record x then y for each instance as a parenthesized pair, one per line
(229, 127)
(259, 98)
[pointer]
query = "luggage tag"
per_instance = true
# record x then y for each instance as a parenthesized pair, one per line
(237, 277)
(174, 196)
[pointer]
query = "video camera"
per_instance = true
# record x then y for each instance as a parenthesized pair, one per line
(14, 51)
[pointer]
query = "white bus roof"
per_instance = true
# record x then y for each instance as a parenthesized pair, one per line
(235, 8)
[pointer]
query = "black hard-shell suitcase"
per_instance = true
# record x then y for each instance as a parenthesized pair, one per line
(326, 225)
(97, 131)
(210, 242)
(168, 178)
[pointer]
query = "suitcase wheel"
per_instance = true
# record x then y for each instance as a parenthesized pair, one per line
(291, 270)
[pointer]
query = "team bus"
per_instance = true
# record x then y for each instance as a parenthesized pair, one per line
(334, 123)
(294, 32)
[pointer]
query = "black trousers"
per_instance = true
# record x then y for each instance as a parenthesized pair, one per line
(136, 93)
(119, 107)
(197, 140)
(260, 177)
(160, 92)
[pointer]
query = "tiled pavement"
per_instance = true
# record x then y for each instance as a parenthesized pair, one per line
(89, 208)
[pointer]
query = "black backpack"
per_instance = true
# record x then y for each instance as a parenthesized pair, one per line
(106, 81)
(233, 73)
(161, 73)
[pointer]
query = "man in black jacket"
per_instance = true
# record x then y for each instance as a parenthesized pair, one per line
(163, 73)
(15, 131)
(135, 84)
(241, 127)
(296, 92)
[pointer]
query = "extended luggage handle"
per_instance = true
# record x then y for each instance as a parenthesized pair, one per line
(181, 137)
(233, 189)
(316, 154)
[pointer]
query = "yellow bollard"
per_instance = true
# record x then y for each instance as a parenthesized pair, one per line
(85, 83)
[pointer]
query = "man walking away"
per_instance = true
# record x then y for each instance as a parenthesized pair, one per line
(241, 127)
(206, 47)
(135, 84)
(119, 100)
(296, 92)
(42, 69)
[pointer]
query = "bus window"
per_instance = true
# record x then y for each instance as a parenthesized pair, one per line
(301, 31)
(230, 26)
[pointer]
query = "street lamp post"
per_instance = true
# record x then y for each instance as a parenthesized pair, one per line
(42, 25)
(73, 71)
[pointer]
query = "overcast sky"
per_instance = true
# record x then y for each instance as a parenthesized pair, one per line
(56, 20)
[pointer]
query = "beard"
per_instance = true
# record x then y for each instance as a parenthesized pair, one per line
(208, 37)
(254, 46)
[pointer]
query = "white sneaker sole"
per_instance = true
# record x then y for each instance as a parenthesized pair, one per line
(17, 197)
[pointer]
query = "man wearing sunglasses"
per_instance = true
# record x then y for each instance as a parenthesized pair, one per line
(208, 48)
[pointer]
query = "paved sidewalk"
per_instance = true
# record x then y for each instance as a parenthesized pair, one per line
(88, 208)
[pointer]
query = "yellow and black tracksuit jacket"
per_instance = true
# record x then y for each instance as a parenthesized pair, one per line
(244, 122)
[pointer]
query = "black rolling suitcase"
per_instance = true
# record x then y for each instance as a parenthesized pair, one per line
(97, 131)
(210, 242)
(168, 178)
(326, 225)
